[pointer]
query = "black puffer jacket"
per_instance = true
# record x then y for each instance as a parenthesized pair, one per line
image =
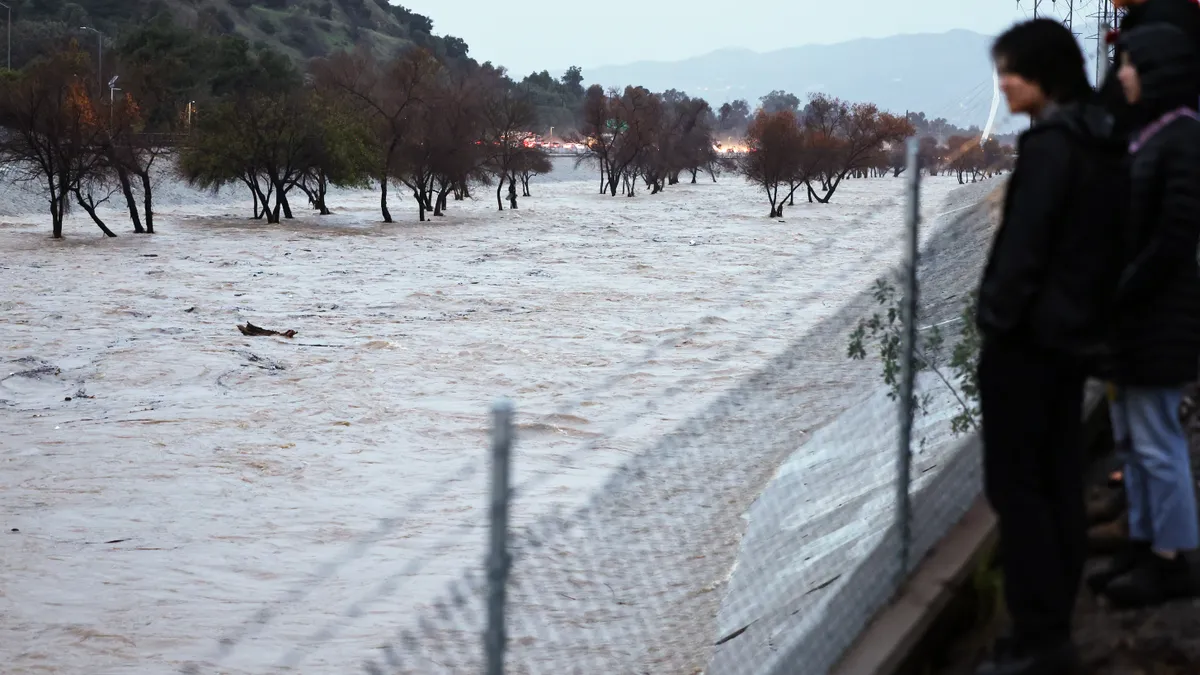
(1182, 14)
(1157, 326)
(1050, 276)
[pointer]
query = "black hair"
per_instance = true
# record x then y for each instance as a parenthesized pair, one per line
(1044, 52)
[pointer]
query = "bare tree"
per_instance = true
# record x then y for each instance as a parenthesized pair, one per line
(847, 138)
(51, 133)
(389, 93)
(530, 164)
(456, 135)
(507, 116)
(776, 148)
(637, 116)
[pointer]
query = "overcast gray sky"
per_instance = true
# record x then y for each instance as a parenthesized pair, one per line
(539, 34)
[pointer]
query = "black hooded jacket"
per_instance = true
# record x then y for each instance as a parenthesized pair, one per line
(1053, 266)
(1182, 14)
(1157, 319)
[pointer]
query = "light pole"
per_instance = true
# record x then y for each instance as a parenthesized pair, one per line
(112, 98)
(99, 56)
(9, 43)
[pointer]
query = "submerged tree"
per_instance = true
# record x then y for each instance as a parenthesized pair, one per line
(52, 135)
(776, 150)
(390, 94)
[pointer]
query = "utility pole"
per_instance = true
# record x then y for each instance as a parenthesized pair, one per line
(1068, 19)
(1108, 18)
(99, 56)
(9, 43)
(112, 98)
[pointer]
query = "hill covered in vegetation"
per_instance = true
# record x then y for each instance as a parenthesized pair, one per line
(301, 29)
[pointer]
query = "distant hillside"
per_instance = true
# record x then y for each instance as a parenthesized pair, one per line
(945, 75)
(302, 29)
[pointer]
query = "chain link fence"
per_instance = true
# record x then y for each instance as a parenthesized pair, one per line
(757, 538)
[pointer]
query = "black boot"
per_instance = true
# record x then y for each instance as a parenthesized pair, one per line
(1154, 581)
(1014, 658)
(1121, 564)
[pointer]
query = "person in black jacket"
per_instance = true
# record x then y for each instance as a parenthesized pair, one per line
(1185, 15)
(1157, 316)
(1048, 281)
(1182, 14)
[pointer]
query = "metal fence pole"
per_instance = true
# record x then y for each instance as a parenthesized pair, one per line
(908, 348)
(498, 557)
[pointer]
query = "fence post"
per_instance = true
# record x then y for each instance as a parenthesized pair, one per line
(498, 558)
(907, 350)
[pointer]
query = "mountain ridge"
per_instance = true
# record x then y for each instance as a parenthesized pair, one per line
(300, 29)
(947, 74)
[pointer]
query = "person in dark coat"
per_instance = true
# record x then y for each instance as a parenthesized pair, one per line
(1157, 316)
(1182, 14)
(1042, 313)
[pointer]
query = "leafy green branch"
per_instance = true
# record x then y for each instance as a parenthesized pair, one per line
(958, 374)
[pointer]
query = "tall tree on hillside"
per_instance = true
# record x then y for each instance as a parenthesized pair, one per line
(778, 101)
(572, 80)
(734, 116)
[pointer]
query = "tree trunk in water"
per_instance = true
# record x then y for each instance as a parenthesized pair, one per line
(91, 211)
(427, 194)
(387, 215)
(273, 213)
(439, 204)
(833, 186)
(281, 201)
(56, 209)
(147, 201)
(130, 200)
(322, 190)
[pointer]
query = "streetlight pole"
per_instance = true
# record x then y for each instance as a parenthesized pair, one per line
(9, 43)
(99, 56)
